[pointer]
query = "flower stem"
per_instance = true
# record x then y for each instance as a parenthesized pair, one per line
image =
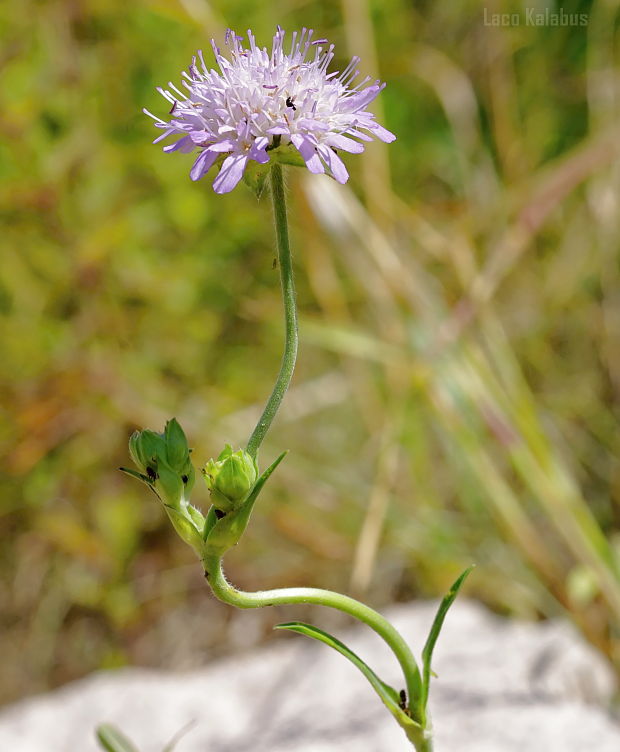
(290, 313)
(223, 590)
(213, 564)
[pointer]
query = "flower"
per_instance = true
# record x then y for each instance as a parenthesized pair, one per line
(259, 100)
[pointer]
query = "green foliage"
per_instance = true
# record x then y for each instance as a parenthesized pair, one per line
(429, 646)
(113, 740)
(388, 695)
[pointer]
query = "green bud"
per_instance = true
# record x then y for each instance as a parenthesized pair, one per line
(163, 460)
(177, 450)
(224, 533)
(230, 478)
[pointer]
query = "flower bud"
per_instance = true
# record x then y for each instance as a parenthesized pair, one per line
(164, 464)
(163, 460)
(222, 532)
(145, 447)
(230, 478)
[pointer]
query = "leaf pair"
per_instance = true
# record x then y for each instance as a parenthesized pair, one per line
(412, 719)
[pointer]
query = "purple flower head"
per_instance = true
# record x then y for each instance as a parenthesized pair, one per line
(259, 100)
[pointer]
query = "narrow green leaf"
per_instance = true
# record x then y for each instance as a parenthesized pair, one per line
(137, 475)
(112, 740)
(427, 652)
(389, 696)
(178, 736)
(210, 521)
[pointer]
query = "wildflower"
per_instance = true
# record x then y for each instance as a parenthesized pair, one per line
(259, 100)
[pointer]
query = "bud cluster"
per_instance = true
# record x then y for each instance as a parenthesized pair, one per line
(164, 464)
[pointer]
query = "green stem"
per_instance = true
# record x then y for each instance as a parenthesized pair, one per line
(290, 313)
(223, 590)
(213, 565)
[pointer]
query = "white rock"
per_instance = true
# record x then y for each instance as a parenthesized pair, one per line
(501, 686)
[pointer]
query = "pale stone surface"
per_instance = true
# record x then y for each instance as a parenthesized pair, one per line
(502, 686)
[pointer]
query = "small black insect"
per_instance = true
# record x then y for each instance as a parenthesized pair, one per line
(184, 478)
(151, 474)
(290, 103)
(403, 700)
(219, 514)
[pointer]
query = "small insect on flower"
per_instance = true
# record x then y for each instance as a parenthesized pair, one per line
(259, 100)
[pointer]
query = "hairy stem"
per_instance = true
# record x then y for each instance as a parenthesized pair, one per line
(290, 313)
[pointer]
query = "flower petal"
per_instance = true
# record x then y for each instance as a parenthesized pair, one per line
(380, 132)
(279, 129)
(184, 145)
(165, 134)
(231, 173)
(203, 164)
(307, 149)
(335, 164)
(257, 151)
(312, 125)
(199, 137)
(222, 146)
(363, 98)
(338, 141)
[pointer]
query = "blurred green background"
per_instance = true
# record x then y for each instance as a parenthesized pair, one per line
(457, 392)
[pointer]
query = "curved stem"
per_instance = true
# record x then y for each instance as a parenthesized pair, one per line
(290, 313)
(223, 590)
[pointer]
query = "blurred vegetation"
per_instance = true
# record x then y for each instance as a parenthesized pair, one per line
(457, 393)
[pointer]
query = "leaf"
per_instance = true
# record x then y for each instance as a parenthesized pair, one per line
(210, 521)
(389, 696)
(427, 652)
(137, 475)
(185, 528)
(255, 177)
(112, 740)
